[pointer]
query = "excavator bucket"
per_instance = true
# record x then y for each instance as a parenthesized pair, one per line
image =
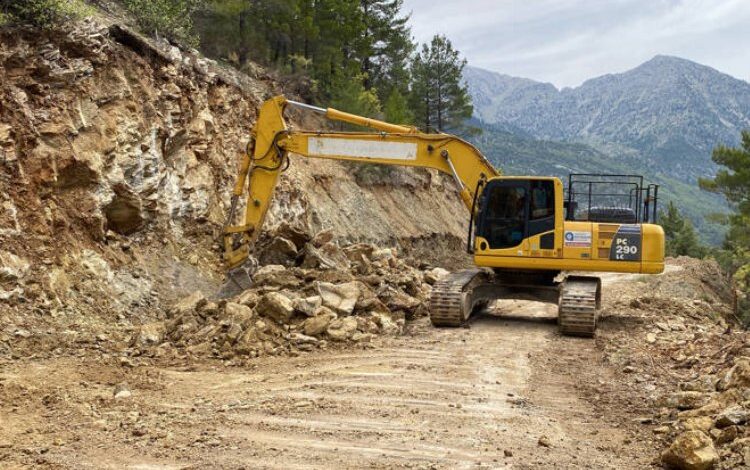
(238, 279)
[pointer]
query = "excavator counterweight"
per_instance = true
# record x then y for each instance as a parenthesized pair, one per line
(524, 230)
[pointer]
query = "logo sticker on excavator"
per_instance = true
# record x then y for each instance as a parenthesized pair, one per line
(626, 245)
(326, 146)
(578, 239)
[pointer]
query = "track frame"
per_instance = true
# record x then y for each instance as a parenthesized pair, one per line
(458, 295)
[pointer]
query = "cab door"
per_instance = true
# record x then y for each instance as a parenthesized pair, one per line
(542, 219)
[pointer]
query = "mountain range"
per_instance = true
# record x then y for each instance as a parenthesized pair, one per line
(661, 119)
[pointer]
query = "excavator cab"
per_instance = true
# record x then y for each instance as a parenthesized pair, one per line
(597, 223)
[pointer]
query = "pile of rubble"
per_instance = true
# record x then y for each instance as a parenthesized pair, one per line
(711, 414)
(309, 293)
(675, 339)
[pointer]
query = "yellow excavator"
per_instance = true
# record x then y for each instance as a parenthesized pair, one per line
(526, 233)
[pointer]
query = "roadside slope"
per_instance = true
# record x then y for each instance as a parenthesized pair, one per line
(117, 157)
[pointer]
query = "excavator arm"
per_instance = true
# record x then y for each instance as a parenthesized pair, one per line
(272, 141)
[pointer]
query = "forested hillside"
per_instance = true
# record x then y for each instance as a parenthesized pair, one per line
(353, 55)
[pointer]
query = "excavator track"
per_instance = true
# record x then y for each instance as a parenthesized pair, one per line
(580, 298)
(453, 297)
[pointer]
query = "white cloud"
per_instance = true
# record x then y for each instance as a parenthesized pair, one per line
(568, 41)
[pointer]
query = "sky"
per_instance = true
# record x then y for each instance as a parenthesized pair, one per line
(566, 42)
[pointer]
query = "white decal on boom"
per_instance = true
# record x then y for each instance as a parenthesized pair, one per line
(322, 146)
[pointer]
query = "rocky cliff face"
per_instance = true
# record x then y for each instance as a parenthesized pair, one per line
(117, 156)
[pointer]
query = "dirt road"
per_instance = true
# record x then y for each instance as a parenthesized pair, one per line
(506, 392)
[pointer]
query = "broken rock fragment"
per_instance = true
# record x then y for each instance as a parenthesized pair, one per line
(280, 251)
(341, 298)
(691, 450)
(342, 329)
(277, 306)
(318, 324)
(149, 334)
(308, 305)
(189, 304)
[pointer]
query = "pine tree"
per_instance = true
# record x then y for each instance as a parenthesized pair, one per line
(733, 181)
(387, 46)
(170, 18)
(396, 108)
(440, 100)
(350, 94)
(680, 236)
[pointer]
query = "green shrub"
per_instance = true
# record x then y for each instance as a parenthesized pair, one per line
(170, 18)
(42, 13)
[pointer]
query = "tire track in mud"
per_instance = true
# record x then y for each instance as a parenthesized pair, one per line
(448, 398)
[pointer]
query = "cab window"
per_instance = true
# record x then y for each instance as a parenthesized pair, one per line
(542, 209)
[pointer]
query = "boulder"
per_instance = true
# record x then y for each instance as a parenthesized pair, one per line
(383, 254)
(279, 251)
(249, 298)
(233, 332)
(687, 400)
(401, 301)
(269, 270)
(342, 329)
(386, 324)
(318, 324)
(727, 434)
(121, 392)
(277, 306)
(238, 314)
(308, 305)
(294, 233)
(359, 251)
(360, 337)
(368, 301)
(341, 298)
(300, 339)
(705, 383)
(275, 275)
(698, 423)
(329, 256)
(691, 450)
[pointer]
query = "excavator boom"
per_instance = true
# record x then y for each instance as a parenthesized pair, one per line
(273, 141)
